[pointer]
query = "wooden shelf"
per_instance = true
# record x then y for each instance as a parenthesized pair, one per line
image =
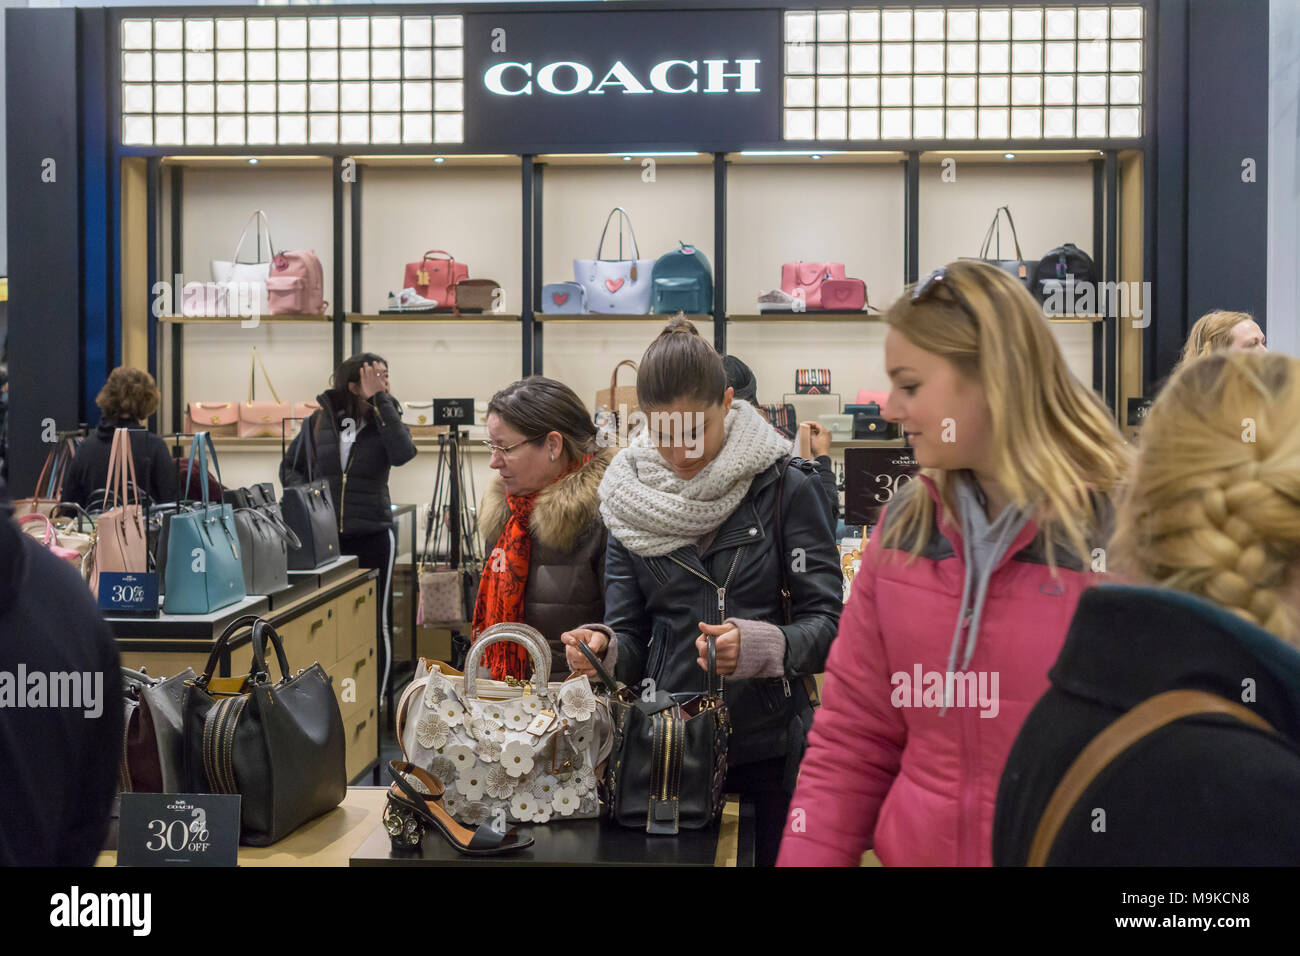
(998, 156)
(243, 162)
(430, 160)
(432, 318)
(236, 320)
(617, 159)
(805, 157)
(805, 317)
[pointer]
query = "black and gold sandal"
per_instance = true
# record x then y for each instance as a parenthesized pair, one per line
(410, 814)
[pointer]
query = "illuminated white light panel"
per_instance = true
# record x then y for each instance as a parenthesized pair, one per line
(1013, 73)
(290, 81)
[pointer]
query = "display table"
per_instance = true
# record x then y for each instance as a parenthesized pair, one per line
(345, 837)
(332, 619)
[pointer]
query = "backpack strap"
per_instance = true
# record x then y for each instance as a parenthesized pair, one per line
(1144, 719)
(787, 606)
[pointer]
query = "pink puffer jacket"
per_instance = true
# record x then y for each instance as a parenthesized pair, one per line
(887, 768)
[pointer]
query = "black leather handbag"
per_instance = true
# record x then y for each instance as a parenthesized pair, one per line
(152, 750)
(309, 511)
(668, 765)
(280, 746)
(264, 538)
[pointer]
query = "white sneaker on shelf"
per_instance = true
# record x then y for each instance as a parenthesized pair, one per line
(408, 300)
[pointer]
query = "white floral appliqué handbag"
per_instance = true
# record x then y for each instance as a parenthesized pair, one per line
(528, 748)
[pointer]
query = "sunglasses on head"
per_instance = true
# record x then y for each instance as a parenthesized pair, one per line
(940, 279)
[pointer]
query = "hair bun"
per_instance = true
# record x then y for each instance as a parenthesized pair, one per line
(680, 324)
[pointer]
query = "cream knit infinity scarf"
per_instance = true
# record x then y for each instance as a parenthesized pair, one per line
(652, 511)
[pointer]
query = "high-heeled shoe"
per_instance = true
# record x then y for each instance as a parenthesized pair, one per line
(411, 814)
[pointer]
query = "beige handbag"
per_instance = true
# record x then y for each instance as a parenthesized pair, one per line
(261, 419)
(418, 418)
(218, 419)
(121, 534)
(612, 401)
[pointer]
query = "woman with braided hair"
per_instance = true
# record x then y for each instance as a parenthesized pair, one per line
(1209, 537)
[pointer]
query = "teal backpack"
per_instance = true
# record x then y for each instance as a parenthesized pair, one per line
(682, 282)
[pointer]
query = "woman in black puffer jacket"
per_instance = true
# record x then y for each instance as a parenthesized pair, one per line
(358, 436)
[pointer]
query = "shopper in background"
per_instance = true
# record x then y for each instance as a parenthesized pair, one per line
(127, 400)
(690, 510)
(1209, 531)
(541, 516)
(60, 759)
(966, 588)
(358, 437)
(744, 385)
(1223, 331)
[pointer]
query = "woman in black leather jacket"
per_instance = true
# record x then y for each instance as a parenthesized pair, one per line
(693, 551)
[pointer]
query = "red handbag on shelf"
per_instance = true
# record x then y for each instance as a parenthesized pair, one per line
(806, 279)
(436, 278)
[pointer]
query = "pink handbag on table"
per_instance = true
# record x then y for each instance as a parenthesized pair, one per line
(806, 278)
(261, 419)
(844, 295)
(296, 284)
(435, 278)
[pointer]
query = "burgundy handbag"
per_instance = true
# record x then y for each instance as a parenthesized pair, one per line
(806, 279)
(844, 295)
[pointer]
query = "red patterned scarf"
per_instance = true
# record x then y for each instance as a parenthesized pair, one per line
(503, 583)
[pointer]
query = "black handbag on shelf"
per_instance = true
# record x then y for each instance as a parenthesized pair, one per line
(1018, 268)
(280, 746)
(152, 749)
(668, 766)
(308, 510)
(264, 538)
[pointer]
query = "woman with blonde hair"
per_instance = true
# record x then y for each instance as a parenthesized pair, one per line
(1220, 331)
(1209, 535)
(966, 586)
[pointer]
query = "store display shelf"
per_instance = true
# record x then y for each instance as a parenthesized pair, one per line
(237, 321)
(630, 158)
(832, 156)
(431, 318)
(999, 156)
(610, 317)
(1075, 319)
(803, 317)
(439, 160)
(248, 161)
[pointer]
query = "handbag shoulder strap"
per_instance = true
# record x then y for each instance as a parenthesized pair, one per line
(113, 487)
(623, 216)
(45, 470)
(1144, 719)
(996, 227)
(252, 375)
(613, 377)
(787, 608)
(259, 217)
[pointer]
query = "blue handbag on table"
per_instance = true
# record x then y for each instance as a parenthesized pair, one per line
(204, 570)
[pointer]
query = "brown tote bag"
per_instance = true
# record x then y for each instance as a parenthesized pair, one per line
(615, 399)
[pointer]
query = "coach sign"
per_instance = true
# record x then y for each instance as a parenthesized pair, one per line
(622, 80)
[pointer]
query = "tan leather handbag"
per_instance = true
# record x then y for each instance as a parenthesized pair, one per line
(613, 401)
(261, 419)
(121, 533)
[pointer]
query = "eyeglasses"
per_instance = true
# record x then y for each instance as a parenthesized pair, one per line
(937, 279)
(506, 450)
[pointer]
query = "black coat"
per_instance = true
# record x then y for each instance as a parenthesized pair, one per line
(155, 470)
(654, 606)
(60, 764)
(359, 492)
(1202, 791)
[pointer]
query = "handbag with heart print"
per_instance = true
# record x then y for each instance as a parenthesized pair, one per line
(528, 750)
(564, 298)
(620, 286)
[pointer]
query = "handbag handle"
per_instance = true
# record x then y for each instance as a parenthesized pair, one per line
(612, 684)
(439, 252)
(121, 471)
(800, 271)
(199, 448)
(252, 375)
(519, 634)
(45, 468)
(996, 224)
(613, 377)
(49, 526)
(259, 217)
(283, 530)
(636, 252)
(258, 641)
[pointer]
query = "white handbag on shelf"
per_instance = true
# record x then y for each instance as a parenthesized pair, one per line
(620, 286)
(232, 270)
(528, 750)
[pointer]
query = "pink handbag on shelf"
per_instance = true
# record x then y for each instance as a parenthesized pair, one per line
(219, 419)
(301, 410)
(261, 419)
(296, 284)
(844, 295)
(48, 538)
(436, 278)
(806, 278)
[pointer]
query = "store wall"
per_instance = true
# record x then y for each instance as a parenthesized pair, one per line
(1284, 178)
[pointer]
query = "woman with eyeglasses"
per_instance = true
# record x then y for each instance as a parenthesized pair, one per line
(540, 519)
(357, 438)
(967, 585)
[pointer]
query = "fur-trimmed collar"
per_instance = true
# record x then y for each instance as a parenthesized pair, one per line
(563, 510)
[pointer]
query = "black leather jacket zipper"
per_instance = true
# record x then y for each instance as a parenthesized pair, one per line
(722, 590)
